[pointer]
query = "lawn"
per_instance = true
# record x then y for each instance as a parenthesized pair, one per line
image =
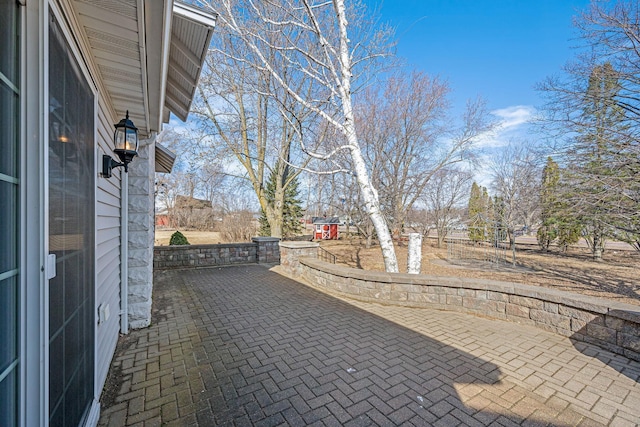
(194, 237)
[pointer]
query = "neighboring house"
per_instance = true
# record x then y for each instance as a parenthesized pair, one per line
(192, 203)
(76, 252)
(325, 228)
(192, 213)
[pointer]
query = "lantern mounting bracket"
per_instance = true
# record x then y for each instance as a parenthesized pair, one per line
(108, 163)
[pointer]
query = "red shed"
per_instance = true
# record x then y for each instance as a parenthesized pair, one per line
(162, 218)
(325, 228)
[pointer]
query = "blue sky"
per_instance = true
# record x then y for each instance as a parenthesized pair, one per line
(498, 49)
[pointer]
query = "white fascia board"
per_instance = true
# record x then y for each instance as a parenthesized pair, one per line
(202, 21)
(195, 15)
(166, 49)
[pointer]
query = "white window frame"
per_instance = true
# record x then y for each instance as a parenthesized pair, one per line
(34, 227)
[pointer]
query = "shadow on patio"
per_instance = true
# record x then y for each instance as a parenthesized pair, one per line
(247, 346)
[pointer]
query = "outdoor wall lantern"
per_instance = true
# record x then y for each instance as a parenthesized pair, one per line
(125, 139)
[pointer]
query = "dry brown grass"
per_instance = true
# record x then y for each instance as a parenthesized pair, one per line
(615, 278)
(194, 237)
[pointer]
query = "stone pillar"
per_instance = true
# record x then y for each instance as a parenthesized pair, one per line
(291, 252)
(414, 258)
(141, 234)
(268, 250)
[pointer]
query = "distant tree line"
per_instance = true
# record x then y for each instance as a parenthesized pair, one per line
(278, 133)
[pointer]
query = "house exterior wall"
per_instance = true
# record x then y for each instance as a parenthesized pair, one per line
(162, 220)
(108, 212)
(33, 330)
(141, 87)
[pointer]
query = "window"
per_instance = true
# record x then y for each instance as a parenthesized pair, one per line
(71, 235)
(9, 210)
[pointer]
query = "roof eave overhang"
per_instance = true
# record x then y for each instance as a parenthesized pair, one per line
(164, 159)
(191, 33)
(158, 16)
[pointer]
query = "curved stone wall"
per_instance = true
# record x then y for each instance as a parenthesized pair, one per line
(610, 325)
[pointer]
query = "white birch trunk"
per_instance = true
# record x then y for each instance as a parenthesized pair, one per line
(372, 207)
(338, 81)
(369, 193)
(414, 258)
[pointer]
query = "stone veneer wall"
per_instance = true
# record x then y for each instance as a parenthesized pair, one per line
(291, 252)
(268, 249)
(608, 324)
(263, 250)
(141, 177)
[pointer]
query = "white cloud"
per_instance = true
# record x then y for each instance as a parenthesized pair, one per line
(512, 123)
(515, 116)
(513, 127)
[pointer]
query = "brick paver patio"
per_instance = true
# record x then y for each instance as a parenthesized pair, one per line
(247, 346)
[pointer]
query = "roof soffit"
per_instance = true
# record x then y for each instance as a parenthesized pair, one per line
(191, 33)
(148, 54)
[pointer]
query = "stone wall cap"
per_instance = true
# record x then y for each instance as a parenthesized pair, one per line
(293, 244)
(204, 246)
(594, 304)
(623, 311)
(265, 239)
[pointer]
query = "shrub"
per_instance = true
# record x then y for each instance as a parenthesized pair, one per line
(178, 238)
(238, 226)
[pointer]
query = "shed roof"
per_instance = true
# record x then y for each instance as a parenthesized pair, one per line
(325, 220)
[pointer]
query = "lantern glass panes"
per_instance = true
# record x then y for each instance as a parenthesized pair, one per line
(125, 139)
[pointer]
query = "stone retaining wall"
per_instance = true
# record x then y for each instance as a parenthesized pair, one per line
(263, 250)
(292, 252)
(608, 324)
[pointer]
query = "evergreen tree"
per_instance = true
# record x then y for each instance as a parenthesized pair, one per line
(559, 222)
(591, 172)
(497, 225)
(479, 213)
(569, 231)
(549, 205)
(291, 209)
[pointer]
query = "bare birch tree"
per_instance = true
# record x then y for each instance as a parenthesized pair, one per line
(244, 117)
(336, 47)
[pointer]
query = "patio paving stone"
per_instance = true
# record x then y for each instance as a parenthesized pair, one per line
(244, 345)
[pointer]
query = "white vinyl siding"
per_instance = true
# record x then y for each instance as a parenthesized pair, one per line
(107, 248)
(107, 225)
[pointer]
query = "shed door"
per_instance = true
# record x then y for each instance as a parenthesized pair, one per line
(71, 236)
